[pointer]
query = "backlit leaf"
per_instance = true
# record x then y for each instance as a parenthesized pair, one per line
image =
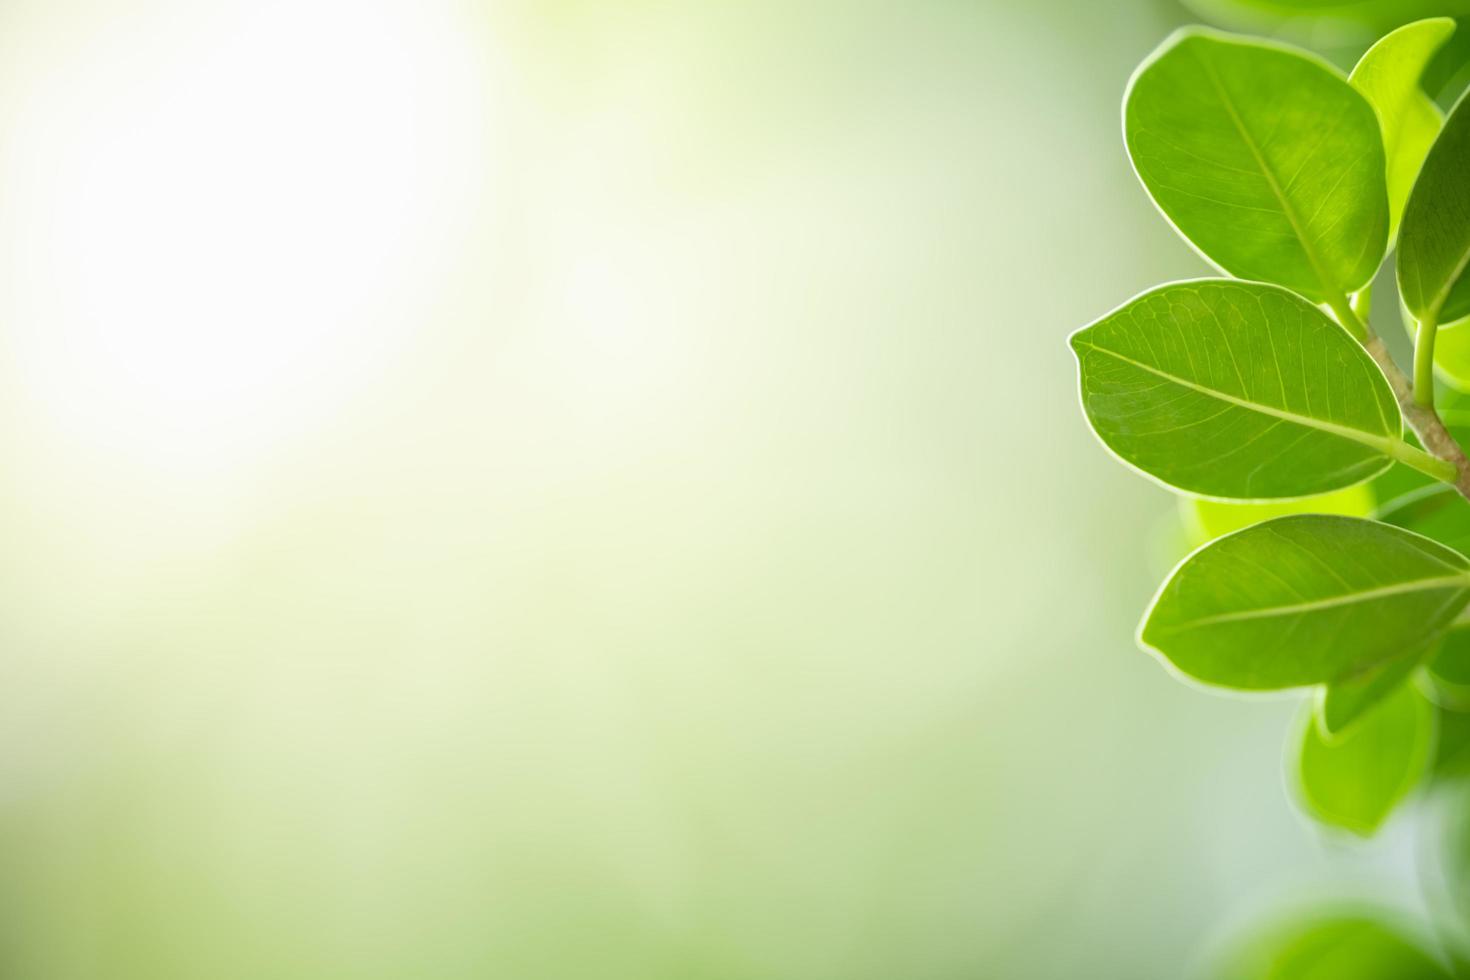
(1304, 600)
(1388, 76)
(1264, 158)
(1236, 389)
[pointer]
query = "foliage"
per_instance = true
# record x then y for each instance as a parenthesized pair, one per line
(1326, 486)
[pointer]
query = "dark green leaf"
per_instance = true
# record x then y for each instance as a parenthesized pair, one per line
(1304, 600)
(1236, 389)
(1264, 157)
(1449, 671)
(1452, 745)
(1434, 240)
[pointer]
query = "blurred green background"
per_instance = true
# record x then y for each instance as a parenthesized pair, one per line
(592, 490)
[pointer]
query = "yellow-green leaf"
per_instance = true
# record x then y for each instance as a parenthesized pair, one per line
(1264, 158)
(1388, 76)
(1355, 782)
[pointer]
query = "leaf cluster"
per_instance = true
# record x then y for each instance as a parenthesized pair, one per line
(1263, 396)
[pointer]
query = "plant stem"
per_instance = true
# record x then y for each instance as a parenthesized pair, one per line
(1423, 419)
(1424, 360)
(1349, 318)
(1412, 456)
(1362, 302)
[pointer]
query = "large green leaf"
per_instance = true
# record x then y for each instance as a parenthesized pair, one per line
(1304, 600)
(1264, 157)
(1434, 240)
(1388, 76)
(1236, 389)
(1340, 945)
(1348, 700)
(1355, 781)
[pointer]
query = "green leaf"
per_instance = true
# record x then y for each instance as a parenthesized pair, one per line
(1434, 240)
(1264, 158)
(1345, 945)
(1452, 745)
(1323, 23)
(1335, 946)
(1449, 671)
(1356, 781)
(1205, 520)
(1388, 76)
(1236, 389)
(1304, 600)
(1345, 701)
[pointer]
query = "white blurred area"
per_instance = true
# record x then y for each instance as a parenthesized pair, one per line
(585, 489)
(226, 219)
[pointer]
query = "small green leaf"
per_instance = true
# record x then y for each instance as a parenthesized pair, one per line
(1237, 390)
(1264, 158)
(1388, 76)
(1340, 945)
(1434, 240)
(1205, 519)
(1345, 701)
(1304, 600)
(1356, 781)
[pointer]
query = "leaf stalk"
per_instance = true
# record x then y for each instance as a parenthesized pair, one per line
(1424, 336)
(1423, 420)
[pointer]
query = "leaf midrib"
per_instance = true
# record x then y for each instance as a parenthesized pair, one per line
(1331, 602)
(1381, 443)
(1266, 171)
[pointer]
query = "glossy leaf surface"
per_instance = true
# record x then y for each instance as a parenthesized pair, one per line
(1389, 76)
(1264, 158)
(1237, 390)
(1304, 600)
